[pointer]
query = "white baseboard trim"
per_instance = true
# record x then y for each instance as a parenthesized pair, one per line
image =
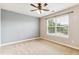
(18, 41)
(61, 43)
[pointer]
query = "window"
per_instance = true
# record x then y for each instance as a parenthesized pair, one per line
(58, 26)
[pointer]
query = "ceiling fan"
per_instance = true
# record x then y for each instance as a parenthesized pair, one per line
(40, 7)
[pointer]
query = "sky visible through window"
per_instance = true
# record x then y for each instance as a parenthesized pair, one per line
(62, 20)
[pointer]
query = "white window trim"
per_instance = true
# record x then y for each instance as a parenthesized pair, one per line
(55, 34)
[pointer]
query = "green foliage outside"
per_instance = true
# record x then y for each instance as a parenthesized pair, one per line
(60, 28)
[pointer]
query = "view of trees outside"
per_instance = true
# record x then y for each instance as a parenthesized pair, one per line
(63, 30)
(51, 26)
(59, 25)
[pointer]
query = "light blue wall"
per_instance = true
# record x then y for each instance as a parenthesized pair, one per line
(16, 26)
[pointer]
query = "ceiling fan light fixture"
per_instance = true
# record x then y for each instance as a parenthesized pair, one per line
(40, 7)
(39, 11)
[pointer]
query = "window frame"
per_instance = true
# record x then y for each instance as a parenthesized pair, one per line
(55, 34)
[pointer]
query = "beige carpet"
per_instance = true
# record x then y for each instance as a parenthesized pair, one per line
(37, 47)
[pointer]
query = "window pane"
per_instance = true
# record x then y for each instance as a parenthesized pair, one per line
(65, 30)
(59, 25)
(51, 29)
(51, 22)
(62, 30)
(62, 20)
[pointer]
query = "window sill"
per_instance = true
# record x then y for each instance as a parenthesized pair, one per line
(62, 36)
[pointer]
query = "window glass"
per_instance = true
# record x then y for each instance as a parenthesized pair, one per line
(58, 25)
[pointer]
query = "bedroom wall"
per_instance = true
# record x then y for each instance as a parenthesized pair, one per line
(0, 25)
(16, 26)
(73, 39)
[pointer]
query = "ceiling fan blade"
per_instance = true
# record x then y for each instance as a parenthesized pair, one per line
(45, 4)
(45, 9)
(33, 5)
(33, 10)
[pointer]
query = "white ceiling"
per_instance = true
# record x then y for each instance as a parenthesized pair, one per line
(25, 8)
